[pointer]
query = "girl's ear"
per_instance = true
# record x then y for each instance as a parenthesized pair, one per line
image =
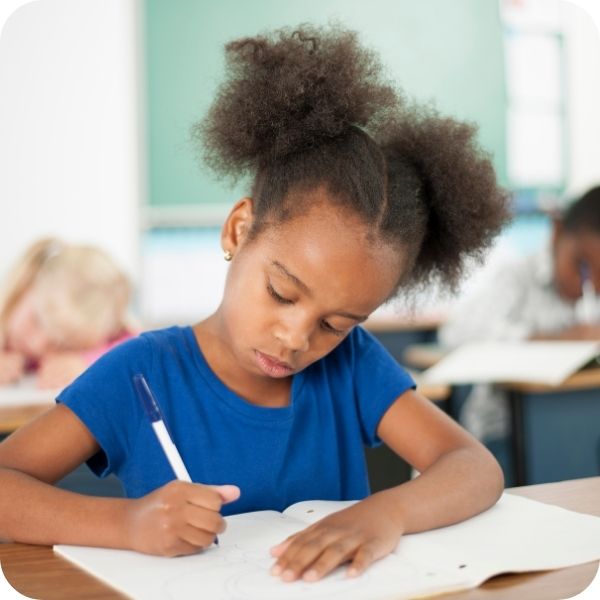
(237, 225)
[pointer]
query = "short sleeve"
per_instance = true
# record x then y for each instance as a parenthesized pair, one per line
(103, 398)
(378, 381)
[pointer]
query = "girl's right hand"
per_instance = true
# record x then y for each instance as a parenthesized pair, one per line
(12, 367)
(178, 518)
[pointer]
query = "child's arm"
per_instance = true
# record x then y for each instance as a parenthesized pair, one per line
(459, 478)
(178, 518)
(12, 367)
(58, 369)
(576, 332)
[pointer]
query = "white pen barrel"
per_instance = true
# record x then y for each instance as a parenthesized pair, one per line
(171, 451)
(588, 300)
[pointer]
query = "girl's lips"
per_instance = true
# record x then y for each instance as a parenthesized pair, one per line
(271, 366)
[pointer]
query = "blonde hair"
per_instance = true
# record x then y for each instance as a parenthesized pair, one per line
(81, 296)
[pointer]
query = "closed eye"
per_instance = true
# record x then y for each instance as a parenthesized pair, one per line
(281, 300)
(327, 327)
(278, 297)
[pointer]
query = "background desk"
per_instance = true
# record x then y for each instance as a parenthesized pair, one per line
(35, 571)
(555, 429)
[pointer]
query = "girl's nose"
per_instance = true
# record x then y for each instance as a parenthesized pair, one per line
(294, 337)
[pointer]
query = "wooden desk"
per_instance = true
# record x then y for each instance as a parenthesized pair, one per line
(12, 417)
(35, 571)
(21, 402)
(403, 323)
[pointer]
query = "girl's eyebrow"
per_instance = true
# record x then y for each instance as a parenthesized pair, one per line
(307, 291)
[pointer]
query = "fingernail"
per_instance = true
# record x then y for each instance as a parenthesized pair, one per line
(311, 575)
(288, 575)
(276, 570)
(352, 572)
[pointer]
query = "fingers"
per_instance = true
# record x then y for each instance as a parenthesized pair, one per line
(201, 495)
(364, 556)
(206, 520)
(196, 538)
(179, 518)
(281, 548)
(316, 551)
(312, 555)
(228, 493)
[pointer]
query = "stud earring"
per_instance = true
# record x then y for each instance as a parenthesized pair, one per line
(227, 255)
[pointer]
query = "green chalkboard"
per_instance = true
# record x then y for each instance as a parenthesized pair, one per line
(448, 52)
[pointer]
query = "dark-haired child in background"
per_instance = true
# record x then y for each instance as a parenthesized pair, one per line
(552, 294)
(355, 197)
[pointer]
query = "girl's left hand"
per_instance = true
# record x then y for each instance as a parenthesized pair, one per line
(59, 369)
(360, 534)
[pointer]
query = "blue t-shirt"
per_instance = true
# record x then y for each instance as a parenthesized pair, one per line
(311, 449)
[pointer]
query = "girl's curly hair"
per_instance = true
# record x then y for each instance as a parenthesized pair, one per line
(308, 108)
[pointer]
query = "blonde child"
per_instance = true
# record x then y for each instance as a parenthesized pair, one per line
(62, 307)
(271, 399)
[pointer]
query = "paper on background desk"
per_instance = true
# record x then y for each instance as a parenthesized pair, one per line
(526, 362)
(24, 393)
(515, 535)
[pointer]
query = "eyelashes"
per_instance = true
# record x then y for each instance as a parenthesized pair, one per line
(287, 302)
(278, 297)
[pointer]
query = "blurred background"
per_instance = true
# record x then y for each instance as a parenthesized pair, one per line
(97, 98)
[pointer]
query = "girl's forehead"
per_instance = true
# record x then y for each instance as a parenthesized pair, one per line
(329, 249)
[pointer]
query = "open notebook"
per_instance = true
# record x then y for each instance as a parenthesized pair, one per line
(515, 535)
(495, 362)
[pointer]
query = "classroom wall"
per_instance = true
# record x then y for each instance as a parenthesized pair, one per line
(69, 141)
(426, 47)
(582, 54)
(70, 110)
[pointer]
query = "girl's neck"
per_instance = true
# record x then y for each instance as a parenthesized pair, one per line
(261, 391)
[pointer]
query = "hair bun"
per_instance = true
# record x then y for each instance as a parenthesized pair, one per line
(288, 91)
(465, 207)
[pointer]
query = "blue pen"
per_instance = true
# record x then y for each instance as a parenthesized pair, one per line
(158, 424)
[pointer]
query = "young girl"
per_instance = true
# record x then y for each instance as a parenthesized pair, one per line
(62, 307)
(271, 399)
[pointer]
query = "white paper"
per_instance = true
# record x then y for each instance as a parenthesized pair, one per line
(517, 534)
(25, 393)
(496, 362)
